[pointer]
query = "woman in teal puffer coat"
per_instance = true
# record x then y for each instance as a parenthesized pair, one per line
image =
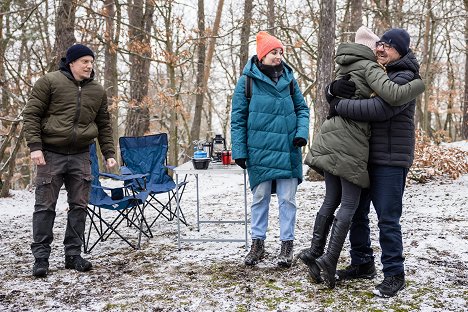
(340, 151)
(267, 134)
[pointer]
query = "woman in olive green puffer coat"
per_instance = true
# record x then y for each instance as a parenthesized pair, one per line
(340, 152)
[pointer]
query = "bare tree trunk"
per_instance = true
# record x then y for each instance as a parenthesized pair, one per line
(465, 93)
(245, 34)
(111, 37)
(271, 18)
(64, 31)
(450, 97)
(425, 115)
(140, 14)
(356, 14)
(209, 56)
(4, 24)
(200, 86)
(326, 49)
(10, 163)
(174, 98)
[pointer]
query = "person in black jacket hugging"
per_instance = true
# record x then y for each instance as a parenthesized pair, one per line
(340, 152)
(391, 154)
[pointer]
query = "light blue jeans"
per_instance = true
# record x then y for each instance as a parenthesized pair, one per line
(286, 192)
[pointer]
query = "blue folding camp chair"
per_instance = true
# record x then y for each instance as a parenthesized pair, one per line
(147, 155)
(107, 212)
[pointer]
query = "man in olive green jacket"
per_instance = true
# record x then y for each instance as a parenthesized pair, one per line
(66, 111)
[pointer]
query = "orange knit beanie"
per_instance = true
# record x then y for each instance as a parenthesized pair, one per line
(266, 43)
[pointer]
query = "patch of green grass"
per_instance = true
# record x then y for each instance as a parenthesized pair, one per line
(273, 302)
(241, 308)
(116, 306)
(271, 284)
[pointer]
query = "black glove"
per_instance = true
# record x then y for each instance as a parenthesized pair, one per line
(241, 162)
(332, 110)
(343, 87)
(417, 76)
(299, 142)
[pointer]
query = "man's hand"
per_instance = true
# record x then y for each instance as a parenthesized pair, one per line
(343, 87)
(299, 142)
(241, 162)
(110, 162)
(332, 110)
(37, 158)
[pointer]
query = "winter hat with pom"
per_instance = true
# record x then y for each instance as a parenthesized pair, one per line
(266, 43)
(397, 38)
(76, 51)
(366, 37)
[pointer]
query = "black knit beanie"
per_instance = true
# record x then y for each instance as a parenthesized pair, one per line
(397, 38)
(76, 51)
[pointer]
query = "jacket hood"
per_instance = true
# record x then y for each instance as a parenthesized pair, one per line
(65, 69)
(350, 52)
(407, 62)
(251, 70)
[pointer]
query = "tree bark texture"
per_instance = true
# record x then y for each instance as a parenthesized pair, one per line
(141, 22)
(200, 86)
(465, 93)
(271, 18)
(245, 34)
(326, 50)
(64, 31)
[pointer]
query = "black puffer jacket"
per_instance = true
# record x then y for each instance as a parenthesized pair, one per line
(392, 128)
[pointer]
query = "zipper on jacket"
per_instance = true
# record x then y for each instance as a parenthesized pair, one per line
(77, 117)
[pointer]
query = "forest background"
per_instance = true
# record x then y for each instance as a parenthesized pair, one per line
(171, 66)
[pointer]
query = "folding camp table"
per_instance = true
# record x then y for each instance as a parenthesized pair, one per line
(214, 169)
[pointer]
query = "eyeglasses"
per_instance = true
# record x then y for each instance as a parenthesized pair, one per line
(384, 45)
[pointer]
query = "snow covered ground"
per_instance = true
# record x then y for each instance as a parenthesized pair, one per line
(212, 277)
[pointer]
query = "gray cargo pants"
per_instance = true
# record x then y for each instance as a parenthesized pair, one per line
(75, 172)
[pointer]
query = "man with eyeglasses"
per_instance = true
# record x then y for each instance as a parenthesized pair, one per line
(391, 155)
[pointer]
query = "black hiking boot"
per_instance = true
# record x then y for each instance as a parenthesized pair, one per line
(41, 267)
(256, 252)
(390, 286)
(286, 255)
(327, 263)
(365, 270)
(78, 263)
(321, 228)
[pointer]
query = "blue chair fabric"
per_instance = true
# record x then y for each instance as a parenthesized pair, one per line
(124, 203)
(147, 155)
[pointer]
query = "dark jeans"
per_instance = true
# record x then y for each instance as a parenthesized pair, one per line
(339, 190)
(387, 185)
(75, 172)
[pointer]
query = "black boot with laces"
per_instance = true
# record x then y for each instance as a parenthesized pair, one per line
(352, 271)
(286, 255)
(78, 263)
(390, 286)
(256, 252)
(41, 267)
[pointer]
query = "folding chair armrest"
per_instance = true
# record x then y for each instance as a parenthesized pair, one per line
(124, 177)
(169, 167)
(109, 188)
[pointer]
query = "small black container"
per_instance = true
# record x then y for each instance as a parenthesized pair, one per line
(201, 163)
